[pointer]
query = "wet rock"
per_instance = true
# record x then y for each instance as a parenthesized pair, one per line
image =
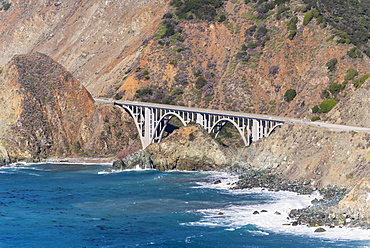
(320, 229)
(217, 182)
(256, 212)
(139, 159)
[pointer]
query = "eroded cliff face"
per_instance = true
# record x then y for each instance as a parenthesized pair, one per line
(95, 40)
(47, 112)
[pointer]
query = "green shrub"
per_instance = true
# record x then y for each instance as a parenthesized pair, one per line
(354, 53)
(252, 44)
(315, 118)
(290, 95)
(335, 88)
(315, 13)
(280, 12)
(319, 20)
(292, 24)
(331, 37)
(222, 18)
(201, 9)
(351, 74)
(358, 82)
(307, 18)
(316, 109)
(201, 81)
(327, 105)
(325, 94)
(117, 97)
(331, 64)
(292, 34)
(342, 41)
(145, 91)
(7, 6)
(173, 62)
(67, 77)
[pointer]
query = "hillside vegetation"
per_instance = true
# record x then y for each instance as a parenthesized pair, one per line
(293, 58)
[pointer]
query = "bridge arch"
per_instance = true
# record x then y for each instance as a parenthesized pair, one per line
(273, 128)
(160, 128)
(152, 119)
(222, 122)
(136, 121)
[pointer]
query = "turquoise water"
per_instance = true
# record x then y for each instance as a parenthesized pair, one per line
(50, 205)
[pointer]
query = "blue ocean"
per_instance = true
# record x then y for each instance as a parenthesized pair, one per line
(76, 205)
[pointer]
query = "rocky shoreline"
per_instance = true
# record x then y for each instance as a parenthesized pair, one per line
(190, 148)
(322, 212)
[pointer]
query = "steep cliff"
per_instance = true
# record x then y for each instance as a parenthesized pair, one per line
(95, 40)
(46, 112)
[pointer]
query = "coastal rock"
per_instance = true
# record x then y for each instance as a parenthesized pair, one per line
(188, 148)
(356, 205)
(4, 158)
(140, 159)
(46, 112)
(312, 158)
(320, 229)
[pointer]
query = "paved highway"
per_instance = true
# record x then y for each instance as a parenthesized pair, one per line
(332, 127)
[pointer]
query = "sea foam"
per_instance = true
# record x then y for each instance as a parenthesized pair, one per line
(272, 216)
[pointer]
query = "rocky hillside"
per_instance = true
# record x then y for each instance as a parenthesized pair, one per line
(46, 112)
(95, 40)
(279, 57)
(275, 57)
(353, 110)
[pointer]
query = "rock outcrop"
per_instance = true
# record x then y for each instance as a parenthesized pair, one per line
(188, 148)
(46, 112)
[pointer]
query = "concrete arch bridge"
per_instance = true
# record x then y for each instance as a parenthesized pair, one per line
(152, 119)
